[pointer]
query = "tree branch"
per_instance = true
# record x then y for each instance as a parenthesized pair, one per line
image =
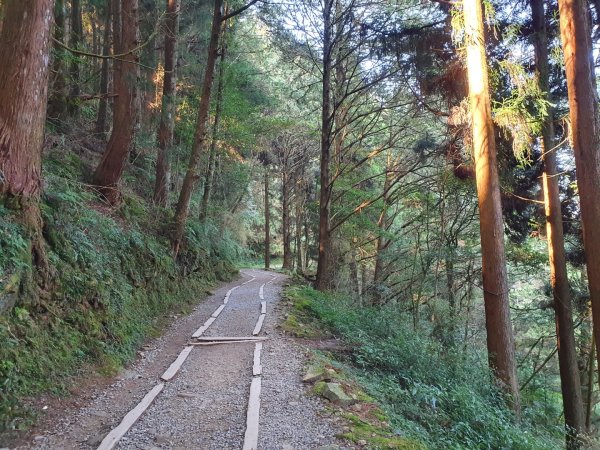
(239, 11)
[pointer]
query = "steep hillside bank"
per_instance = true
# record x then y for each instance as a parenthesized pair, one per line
(113, 277)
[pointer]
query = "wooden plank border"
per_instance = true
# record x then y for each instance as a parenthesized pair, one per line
(201, 344)
(252, 416)
(231, 338)
(176, 365)
(113, 438)
(257, 367)
(259, 325)
(218, 311)
(203, 328)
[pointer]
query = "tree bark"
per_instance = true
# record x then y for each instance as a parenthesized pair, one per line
(285, 219)
(24, 41)
(383, 223)
(168, 109)
(192, 175)
(567, 350)
(267, 222)
(298, 227)
(126, 71)
(500, 345)
(212, 156)
(103, 105)
(324, 273)
(590, 388)
(585, 139)
(58, 98)
(75, 42)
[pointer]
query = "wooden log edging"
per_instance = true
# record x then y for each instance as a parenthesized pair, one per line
(176, 365)
(218, 311)
(202, 344)
(252, 416)
(259, 325)
(257, 367)
(231, 338)
(204, 327)
(113, 438)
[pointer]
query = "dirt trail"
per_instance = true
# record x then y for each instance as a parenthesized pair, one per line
(204, 406)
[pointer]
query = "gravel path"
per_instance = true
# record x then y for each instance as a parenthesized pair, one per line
(204, 405)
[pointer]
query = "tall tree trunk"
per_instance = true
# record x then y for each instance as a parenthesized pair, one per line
(353, 269)
(58, 98)
(24, 42)
(567, 350)
(168, 109)
(111, 167)
(298, 227)
(149, 17)
(584, 132)
(324, 272)
(192, 175)
(590, 388)
(75, 42)
(500, 345)
(286, 223)
(116, 11)
(103, 105)
(212, 156)
(383, 223)
(267, 222)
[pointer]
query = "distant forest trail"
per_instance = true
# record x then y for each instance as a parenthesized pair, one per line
(204, 405)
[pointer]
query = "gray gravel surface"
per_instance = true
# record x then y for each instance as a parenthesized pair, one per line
(204, 405)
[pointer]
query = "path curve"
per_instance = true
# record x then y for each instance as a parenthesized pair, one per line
(202, 400)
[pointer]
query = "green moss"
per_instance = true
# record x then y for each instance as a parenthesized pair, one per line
(319, 387)
(296, 326)
(377, 437)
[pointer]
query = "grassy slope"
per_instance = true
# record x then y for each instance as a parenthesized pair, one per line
(114, 279)
(439, 397)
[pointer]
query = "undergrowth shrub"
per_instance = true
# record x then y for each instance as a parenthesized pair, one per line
(442, 396)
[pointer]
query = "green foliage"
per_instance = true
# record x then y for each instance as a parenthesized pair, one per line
(14, 247)
(522, 112)
(440, 396)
